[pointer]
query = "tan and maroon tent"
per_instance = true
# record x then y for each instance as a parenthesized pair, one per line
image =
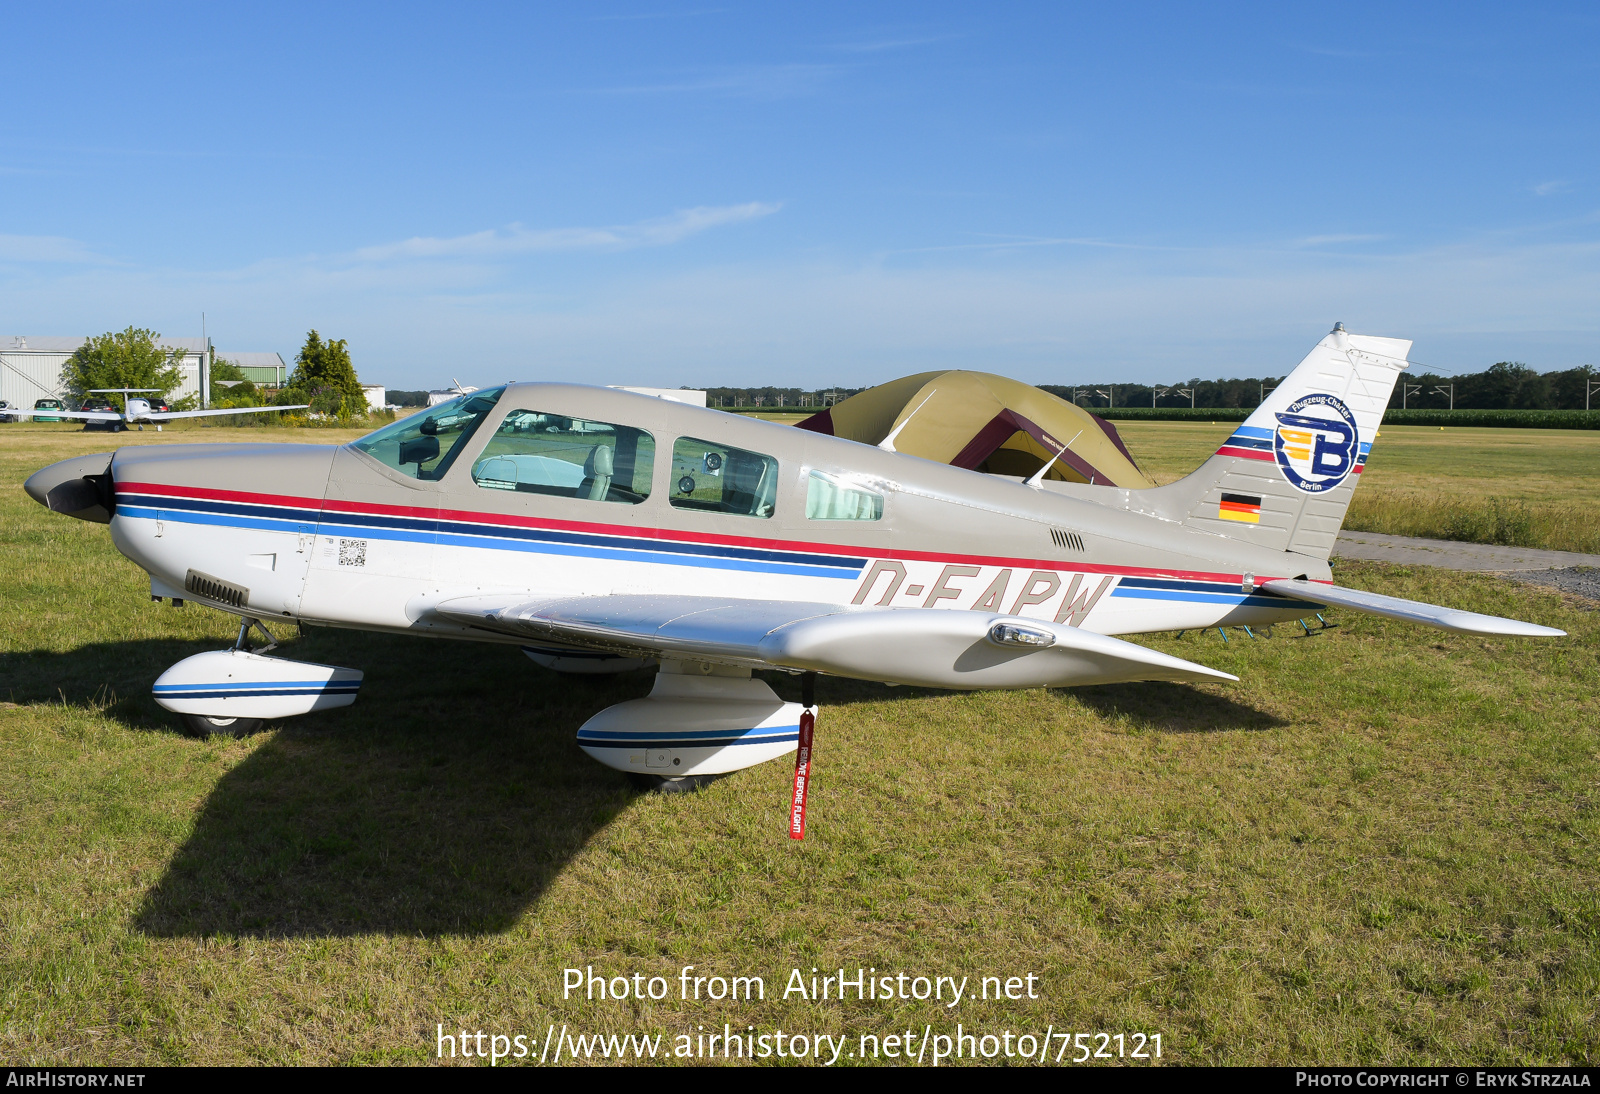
(985, 422)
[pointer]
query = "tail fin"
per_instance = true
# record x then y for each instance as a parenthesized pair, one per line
(1283, 480)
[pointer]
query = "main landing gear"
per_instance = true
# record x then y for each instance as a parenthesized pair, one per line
(660, 784)
(699, 722)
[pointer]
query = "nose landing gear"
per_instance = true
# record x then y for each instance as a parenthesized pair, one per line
(234, 692)
(203, 725)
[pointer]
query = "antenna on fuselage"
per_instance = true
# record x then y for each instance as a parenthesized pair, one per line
(1038, 476)
(887, 444)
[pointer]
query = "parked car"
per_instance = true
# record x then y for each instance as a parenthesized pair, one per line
(4, 417)
(100, 402)
(47, 404)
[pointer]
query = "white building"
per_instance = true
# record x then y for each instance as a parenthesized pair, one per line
(377, 396)
(30, 367)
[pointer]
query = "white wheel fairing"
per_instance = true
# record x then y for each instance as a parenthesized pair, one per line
(224, 685)
(694, 725)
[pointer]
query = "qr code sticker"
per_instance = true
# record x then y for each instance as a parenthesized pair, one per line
(352, 552)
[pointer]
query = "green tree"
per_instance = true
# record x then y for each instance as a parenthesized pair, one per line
(1508, 385)
(323, 365)
(230, 387)
(1568, 388)
(128, 358)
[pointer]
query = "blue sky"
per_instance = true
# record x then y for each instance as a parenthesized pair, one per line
(708, 193)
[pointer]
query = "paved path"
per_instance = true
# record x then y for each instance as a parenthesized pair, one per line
(1452, 555)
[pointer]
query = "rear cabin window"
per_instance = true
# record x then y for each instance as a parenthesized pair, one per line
(534, 452)
(715, 478)
(425, 444)
(831, 498)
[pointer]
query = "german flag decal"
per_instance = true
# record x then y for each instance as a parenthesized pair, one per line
(1240, 507)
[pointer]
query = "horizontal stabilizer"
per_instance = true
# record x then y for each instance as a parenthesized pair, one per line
(925, 646)
(1409, 611)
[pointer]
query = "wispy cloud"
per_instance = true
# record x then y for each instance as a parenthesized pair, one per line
(1554, 186)
(882, 45)
(1007, 243)
(1320, 241)
(1056, 313)
(634, 17)
(776, 81)
(517, 239)
(46, 249)
(1341, 54)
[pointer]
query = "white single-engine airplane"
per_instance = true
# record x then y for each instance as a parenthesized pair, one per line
(137, 411)
(600, 530)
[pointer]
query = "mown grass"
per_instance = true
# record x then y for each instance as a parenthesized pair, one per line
(1519, 487)
(1379, 846)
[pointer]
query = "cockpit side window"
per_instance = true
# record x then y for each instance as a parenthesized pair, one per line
(716, 478)
(426, 443)
(539, 453)
(829, 497)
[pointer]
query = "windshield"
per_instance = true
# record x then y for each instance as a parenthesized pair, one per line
(426, 443)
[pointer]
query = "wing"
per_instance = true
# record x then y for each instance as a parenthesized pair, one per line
(925, 646)
(89, 415)
(1410, 611)
(168, 415)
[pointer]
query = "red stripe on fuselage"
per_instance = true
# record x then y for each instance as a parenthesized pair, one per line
(636, 532)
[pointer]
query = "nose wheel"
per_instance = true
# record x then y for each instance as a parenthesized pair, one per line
(199, 725)
(203, 725)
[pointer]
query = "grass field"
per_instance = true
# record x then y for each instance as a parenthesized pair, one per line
(1520, 487)
(1380, 846)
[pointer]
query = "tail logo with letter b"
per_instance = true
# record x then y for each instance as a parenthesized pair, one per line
(1316, 443)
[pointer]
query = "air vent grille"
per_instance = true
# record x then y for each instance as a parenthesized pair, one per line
(1067, 541)
(212, 588)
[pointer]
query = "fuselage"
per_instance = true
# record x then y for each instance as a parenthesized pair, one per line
(346, 537)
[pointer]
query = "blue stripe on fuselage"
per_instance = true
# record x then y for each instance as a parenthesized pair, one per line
(1193, 592)
(502, 537)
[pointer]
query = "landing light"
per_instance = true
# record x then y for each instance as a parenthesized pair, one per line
(1010, 634)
